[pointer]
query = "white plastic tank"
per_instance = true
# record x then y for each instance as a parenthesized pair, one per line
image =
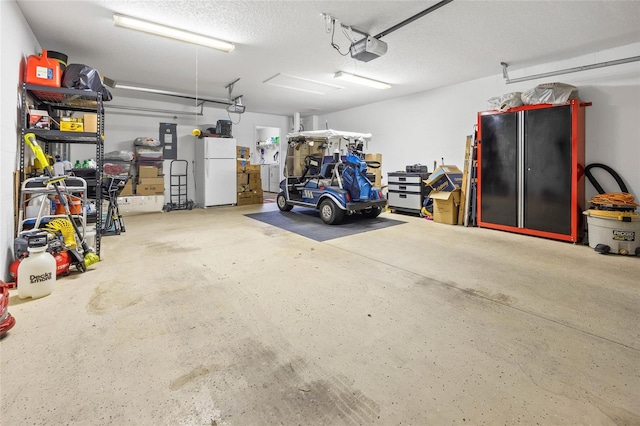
(37, 272)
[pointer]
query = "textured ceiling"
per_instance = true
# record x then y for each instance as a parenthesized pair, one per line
(464, 40)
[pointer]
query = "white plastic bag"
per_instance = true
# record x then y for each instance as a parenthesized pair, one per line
(550, 93)
(148, 141)
(118, 156)
(506, 101)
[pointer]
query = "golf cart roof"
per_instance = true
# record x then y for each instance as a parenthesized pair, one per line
(329, 134)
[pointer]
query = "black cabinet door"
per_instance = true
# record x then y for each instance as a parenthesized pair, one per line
(499, 169)
(547, 170)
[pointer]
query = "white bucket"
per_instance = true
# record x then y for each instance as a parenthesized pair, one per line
(621, 237)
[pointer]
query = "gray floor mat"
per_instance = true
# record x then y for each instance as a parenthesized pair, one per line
(307, 222)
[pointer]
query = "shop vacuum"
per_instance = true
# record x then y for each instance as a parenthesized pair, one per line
(612, 220)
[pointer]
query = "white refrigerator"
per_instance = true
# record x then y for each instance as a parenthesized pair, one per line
(215, 172)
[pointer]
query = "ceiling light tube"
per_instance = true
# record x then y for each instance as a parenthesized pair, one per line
(361, 80)
(174, 33)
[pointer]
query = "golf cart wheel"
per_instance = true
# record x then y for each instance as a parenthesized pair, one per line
(281, 200)
(330, 213)
(371, 212)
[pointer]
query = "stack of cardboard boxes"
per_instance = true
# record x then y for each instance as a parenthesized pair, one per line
(248, 179)
(445, 183)
(150, 181)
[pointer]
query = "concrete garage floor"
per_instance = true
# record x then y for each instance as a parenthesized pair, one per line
(207, 317)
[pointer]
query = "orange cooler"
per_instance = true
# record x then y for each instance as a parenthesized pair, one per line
(43, 71)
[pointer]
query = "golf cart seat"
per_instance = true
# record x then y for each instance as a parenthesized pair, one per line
(327, 170)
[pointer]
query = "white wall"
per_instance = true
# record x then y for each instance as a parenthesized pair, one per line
(426, 127)
(17, 43)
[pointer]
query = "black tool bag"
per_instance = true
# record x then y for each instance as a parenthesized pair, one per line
(83, 77)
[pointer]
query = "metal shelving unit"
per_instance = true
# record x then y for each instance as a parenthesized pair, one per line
(64, 99)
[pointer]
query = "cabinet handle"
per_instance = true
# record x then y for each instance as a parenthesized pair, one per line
(402, 179)
(403, 195)
(403, 187)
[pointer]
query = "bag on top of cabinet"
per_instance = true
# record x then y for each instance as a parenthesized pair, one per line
(550, 93)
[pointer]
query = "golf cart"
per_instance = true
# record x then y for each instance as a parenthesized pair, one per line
(336, 185)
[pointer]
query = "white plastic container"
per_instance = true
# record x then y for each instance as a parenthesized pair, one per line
(33, 207)
(68, 166)
(58, 168)
(37, 272)
(621, 237)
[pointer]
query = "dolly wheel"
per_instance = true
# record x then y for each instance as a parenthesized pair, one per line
(330, 213)
(281, 200)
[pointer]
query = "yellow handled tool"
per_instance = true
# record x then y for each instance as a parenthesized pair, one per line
(30, 139)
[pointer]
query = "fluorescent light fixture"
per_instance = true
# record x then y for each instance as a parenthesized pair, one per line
(361, 80)
(174, 33)
(302, 84)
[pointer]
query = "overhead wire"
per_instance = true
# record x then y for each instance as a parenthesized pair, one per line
(333, 44)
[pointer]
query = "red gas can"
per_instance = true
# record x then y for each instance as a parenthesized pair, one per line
(43, 71)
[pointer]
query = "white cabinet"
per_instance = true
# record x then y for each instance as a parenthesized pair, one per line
(270, 174)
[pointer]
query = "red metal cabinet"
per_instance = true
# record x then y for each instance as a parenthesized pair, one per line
(530, 170)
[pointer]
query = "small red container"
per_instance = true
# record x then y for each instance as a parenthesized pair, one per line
(43, 71)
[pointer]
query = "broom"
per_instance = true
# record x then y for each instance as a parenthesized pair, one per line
(30, 139)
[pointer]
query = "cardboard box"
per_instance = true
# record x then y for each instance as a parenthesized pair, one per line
(242, 152)
(445, 178)
(253, 168)
(39, 119)
(255, 181)
(151, 181)
(148, 171)
(250, 197)
(243, 182)
(71, 124)
(243, 178)
(376, 172)
(91, 123)
(445, 206)
(245, 198)
(373, 157)
(242, 165)
(150, 189)
(127, 190)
